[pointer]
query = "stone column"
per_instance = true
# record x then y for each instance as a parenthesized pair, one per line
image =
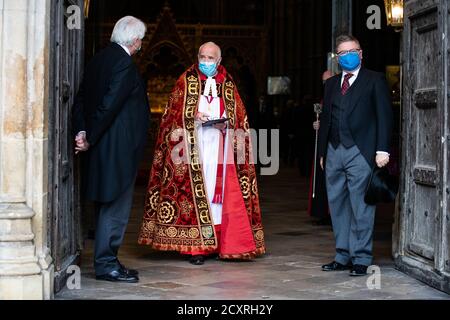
(26, 269)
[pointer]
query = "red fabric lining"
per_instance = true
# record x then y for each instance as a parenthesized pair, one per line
(237, 235)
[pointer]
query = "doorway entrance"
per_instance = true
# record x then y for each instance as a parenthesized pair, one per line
(421, 229)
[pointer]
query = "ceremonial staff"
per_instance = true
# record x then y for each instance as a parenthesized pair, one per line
(317, 110)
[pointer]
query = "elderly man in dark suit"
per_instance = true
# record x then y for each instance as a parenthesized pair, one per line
(110, 120)
(354, 136)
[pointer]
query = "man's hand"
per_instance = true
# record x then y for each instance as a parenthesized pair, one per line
(316, 125)
(321, 162)
(81, 143)
(382, 160)
(200, 116)
(220, 126)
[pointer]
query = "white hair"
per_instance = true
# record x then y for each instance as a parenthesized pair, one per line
(127, 30)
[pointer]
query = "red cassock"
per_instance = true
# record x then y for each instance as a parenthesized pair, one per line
(177, 212)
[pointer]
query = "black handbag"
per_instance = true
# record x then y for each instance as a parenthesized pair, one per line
(382, 187)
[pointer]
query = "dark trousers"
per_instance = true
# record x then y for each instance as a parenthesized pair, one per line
(111, 223)
(347, 175)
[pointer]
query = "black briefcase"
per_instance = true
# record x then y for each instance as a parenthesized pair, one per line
(382, 187)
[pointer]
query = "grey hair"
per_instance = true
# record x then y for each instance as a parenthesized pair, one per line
(211, 43)
(346, 38)
(127, 30)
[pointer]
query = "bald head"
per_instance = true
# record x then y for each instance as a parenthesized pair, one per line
(209, 52)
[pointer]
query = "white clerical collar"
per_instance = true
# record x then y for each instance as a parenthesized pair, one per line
(210, 86)
(125, 48)
(354, 73)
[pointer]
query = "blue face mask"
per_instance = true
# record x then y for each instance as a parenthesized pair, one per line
(350, 61)
(208, 68)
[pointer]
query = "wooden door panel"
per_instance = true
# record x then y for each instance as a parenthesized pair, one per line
(422, 248)
(446, 136)
(66, 48)
(423, 221)
(423, 137)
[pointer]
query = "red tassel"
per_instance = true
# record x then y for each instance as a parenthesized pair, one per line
(217, 198)
(219, 175)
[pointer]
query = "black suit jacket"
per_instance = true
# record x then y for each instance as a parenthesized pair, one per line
(112, 107)
(369, 115)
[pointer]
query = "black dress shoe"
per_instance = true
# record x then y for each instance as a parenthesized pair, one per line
(335, 266)
(358, 270)
(197, 260)
(131, 272)
(118, 276)
(215, 256)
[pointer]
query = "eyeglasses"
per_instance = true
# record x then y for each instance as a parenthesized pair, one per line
(343, 53)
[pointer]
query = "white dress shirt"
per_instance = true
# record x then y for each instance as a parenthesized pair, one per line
(125, 48)
(351, 81)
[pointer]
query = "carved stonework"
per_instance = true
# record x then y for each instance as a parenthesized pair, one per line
(26, 270)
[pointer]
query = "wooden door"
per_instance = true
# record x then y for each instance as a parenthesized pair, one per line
(66, 51)
(423, 234)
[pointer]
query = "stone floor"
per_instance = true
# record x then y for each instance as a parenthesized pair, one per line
(290, 270)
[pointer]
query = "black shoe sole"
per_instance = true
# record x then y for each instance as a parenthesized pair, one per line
(344, 268)
(329, 270)
(197, 262)
(357, 274)
(133, 273)
(117, 280)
